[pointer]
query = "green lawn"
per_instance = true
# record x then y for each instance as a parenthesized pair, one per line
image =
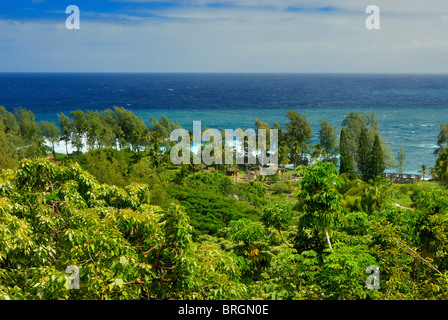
(401, 193)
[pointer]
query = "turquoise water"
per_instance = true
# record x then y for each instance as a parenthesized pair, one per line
(417, 134)
(409, 107)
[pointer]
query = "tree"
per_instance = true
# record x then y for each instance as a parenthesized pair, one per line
(181, 175)
(27, 125)
(99, 130)
(319, 200)
(442, 139)
(161, 130)
(124, 247)
(298, 130)
(376, 159)
(32, 142)
(7, 156)
(50, 131)
(66, 128)
(432, 228)
(106, 135)
(328, 140)
(423, 170)
(194, 168)
(440, 171)
(264, 126)
(346, 160)
(79, 128)
(133, 127)
(432, 172)
(213, 148)
(11, 138)
(94, 126)
(248, 238)
(353, 124)
(318, 152)
(283, 156)
(295, 151)
(280, 131)
(375, 195)
(278, 216)
(364, 156)
(111, 119)
(401, 157)
(9, 121)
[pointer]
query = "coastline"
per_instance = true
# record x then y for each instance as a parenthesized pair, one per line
(409, 107)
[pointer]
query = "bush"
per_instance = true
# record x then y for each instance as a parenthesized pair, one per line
(209, 211)
(252, 192)
(352, 203)
(212, 182)
(280, 187)
(52, 217)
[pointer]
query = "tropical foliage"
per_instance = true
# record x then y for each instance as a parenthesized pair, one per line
(138, 227)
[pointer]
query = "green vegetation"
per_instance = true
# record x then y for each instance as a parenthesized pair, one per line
(346, 161)
(328, 141)
(401, 157)
(139, 227)
(298, 134)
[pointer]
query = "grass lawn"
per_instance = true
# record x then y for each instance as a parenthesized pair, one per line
(60, 156)
(401, 193)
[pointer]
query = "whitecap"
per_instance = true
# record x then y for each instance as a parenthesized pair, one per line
(426, 146)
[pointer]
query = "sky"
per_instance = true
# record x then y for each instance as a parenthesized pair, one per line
(261, 36)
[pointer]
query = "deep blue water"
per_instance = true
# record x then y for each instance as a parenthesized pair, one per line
(409, 107)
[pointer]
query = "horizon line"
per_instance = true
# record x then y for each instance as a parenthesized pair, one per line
(223, 72)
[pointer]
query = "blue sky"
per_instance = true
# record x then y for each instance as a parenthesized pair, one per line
(224, 36)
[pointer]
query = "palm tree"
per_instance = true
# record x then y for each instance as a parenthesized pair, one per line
(194, 168)
(155, 152)
(296, 148)
(432, 172)
(375, 196)
(423, 170)
(181, 175)
(283, 156)
(318, 152)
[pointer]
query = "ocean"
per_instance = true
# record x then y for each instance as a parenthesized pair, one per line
(409, 107)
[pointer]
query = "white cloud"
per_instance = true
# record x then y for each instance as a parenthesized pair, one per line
(201, 39)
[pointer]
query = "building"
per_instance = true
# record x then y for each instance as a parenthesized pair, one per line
(233, 172)
(403, 178)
